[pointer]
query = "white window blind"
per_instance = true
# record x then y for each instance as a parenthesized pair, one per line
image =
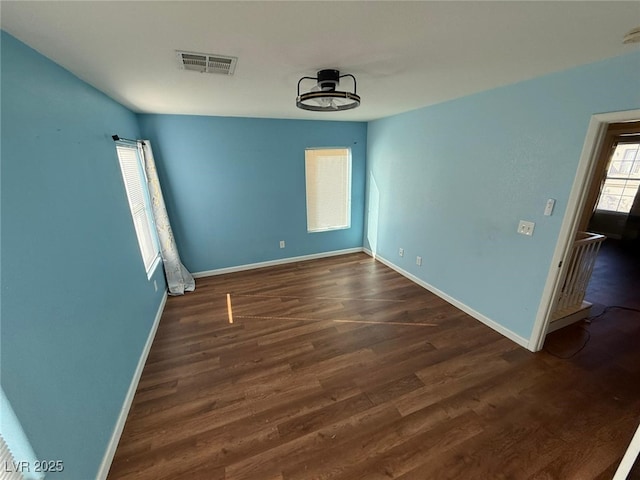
(622, 183)
(137, 194)
(17, 459)
(328, 182)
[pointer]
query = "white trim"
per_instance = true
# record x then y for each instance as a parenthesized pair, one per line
(581, 314)
(626, 464)
(456, 303)
(154, 266)
(271, 263)
(577, 198)
(103, 471)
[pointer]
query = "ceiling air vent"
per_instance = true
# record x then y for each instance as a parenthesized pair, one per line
(206, 62)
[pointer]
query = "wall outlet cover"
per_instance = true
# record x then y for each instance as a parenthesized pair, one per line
(526, 228)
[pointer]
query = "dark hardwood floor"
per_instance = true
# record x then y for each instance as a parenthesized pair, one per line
(616, 275)
(340, 368)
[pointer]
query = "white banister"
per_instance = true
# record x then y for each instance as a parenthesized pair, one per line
(575, 277)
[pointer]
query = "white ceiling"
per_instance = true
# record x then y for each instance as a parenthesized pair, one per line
(404, 54)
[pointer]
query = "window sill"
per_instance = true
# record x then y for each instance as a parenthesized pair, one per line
(152, 269)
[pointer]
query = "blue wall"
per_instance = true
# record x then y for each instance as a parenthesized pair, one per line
(77, 307)
(450, 183)
(235, 187)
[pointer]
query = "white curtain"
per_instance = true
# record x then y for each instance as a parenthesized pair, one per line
(179, 279)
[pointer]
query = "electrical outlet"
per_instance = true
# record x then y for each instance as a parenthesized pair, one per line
(419, 261)
(281, 243)
(526, 228)
(401, 252)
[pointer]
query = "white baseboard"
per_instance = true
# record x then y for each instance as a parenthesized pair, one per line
(465, 308)
(103, 471)
(271, 263)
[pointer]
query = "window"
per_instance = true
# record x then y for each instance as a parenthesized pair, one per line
(328, 180)
(130, 157)
(623, 178)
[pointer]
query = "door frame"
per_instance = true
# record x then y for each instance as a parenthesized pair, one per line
(593, 143)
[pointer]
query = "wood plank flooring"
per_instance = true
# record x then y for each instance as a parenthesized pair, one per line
(342, 369)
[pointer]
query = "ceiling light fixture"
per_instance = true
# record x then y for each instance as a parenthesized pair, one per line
(632, 36)
(323, 97)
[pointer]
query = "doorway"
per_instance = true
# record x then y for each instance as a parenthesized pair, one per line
(580, 207)
(613, 210)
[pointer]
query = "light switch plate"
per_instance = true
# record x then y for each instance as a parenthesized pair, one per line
(548, 209)
(526, 228)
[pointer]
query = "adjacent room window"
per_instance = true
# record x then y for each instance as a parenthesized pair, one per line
(623, 179)
(328, 180)
(130, 157)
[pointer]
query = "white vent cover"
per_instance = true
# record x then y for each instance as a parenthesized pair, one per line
(206, 62)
